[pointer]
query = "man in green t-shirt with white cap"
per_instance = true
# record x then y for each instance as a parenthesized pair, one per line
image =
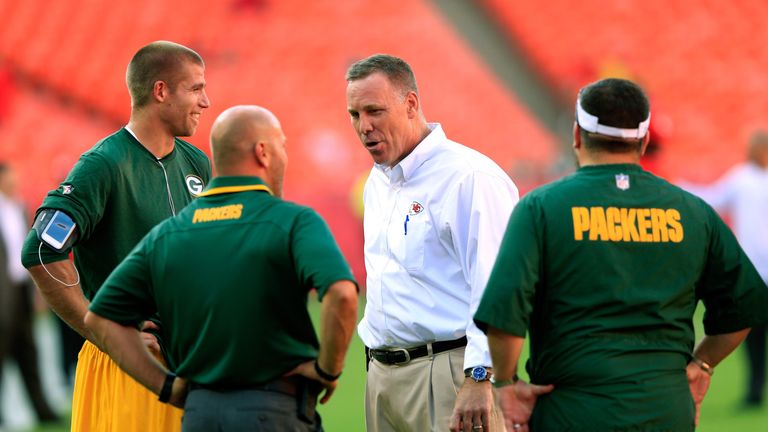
(604, 269)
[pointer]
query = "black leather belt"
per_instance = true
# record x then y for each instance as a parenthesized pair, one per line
(291, 386)
(405, 355)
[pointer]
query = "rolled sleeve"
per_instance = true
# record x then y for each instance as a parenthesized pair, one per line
(734, 295)
(318, 259)
(483, 206)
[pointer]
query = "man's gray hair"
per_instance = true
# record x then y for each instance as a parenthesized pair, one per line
(394, 68)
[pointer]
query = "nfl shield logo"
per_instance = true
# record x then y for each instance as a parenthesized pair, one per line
(622, 181)
(67, 189)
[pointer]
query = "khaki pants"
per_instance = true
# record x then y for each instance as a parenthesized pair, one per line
(418, 396)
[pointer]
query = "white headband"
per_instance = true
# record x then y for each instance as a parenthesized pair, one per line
(590, 123)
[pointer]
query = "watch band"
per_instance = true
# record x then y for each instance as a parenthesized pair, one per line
(167, 390)
(478, 373)
(325, 375)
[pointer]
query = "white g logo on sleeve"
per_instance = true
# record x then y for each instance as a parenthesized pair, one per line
(195, 184)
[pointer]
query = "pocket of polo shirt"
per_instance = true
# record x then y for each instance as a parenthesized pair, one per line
(414, 243)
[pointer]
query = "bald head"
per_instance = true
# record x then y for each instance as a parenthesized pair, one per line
(248, 140)
(236, 131)
(758, 148)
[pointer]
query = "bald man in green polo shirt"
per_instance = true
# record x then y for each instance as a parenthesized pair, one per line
(230, 276)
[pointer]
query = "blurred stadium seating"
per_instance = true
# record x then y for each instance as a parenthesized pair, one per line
(287, 55)
(702, 64)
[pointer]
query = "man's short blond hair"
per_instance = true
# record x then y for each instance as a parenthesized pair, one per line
(158, 61)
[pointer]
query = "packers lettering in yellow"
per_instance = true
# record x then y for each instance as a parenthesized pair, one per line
(627, 224)
(234, 211)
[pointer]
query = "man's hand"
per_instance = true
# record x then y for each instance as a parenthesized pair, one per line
(307, 370)
(517, 402)
(150, 340)
(698, 381)
(179, 392)
(474, 405)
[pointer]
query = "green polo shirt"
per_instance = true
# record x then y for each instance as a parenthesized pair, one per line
(116, 193)
(230, 278)
(604, 269)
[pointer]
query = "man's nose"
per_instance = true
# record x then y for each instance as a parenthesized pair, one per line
(365, 126)
(205, 102)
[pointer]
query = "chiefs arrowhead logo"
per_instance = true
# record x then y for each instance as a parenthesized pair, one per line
(416, 208)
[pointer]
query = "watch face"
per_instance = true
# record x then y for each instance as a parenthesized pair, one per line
(479, 373)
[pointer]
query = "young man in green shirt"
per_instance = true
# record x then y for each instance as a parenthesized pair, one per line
(118, 190)
(230, 276)
(604, 270)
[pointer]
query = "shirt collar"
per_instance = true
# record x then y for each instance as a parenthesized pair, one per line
(420, 154)
(233, 184)
(629, 167)
(167, 158)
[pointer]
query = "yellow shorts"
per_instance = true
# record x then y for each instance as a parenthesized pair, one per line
(106, 399)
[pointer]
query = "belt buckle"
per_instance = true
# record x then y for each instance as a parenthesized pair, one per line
(404, 351)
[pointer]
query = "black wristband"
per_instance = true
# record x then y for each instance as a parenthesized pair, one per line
(167, 390)
(325, 375)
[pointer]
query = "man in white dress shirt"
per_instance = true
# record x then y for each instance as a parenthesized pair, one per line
(435, 214)
(742, 193)
(17, 341)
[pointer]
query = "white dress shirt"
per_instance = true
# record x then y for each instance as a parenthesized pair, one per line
(433, 225)
(742, 193)
(14, 229)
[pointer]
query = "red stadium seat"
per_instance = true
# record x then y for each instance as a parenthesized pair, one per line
(704, 65)
(288, 56)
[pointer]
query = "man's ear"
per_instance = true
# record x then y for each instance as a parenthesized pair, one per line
(576, 136)
(261, 154)
(412, 102)
(160, 91)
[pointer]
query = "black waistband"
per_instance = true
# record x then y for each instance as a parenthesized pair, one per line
(291, 386)
(404, 355)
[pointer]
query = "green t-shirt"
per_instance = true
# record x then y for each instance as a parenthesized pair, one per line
(116, 193)
(604, 270)
(230, 278)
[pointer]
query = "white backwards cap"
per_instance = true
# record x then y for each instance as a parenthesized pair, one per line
(591, 124)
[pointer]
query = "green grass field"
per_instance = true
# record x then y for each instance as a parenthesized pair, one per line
(721, 410)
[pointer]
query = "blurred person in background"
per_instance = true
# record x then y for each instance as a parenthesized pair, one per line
(71, 342)
(604, 269)
(434, 216)
(118, 190)
(245, 352)
(742, 195)
(16, 296)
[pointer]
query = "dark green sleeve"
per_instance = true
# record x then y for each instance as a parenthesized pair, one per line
(83, 196)
(126, 296)
(507, 300)
(734, 295)
(33, 253)
(319, 262)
